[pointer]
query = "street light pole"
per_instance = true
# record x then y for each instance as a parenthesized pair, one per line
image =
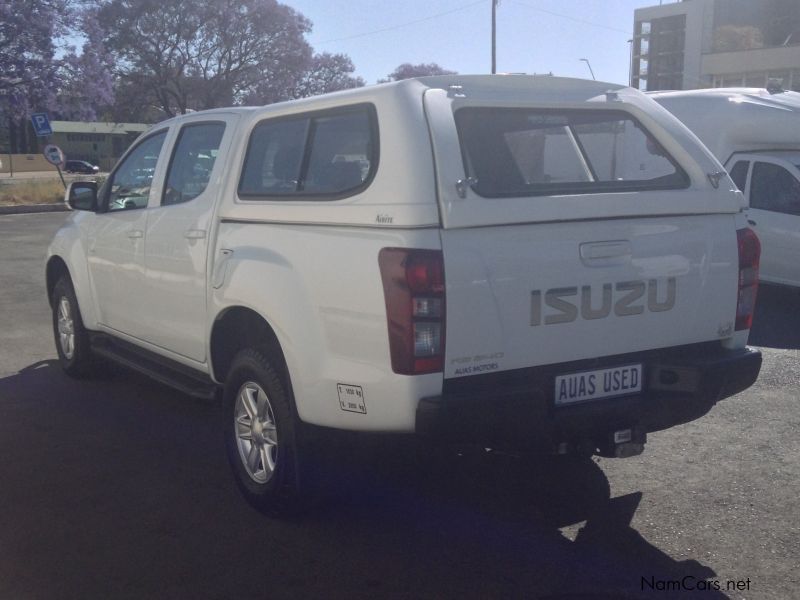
(494, 36)
(586, 60)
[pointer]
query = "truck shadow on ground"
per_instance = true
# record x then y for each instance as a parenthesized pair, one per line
(776, 323)
(498, 519)
(118, 487)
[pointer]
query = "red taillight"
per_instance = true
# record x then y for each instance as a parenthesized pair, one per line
(413, 288)
(749, 254)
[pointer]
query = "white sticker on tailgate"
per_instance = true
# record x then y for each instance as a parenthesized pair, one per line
(602, 383)
(351, 398)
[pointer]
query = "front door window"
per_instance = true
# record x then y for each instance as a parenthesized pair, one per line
(129, 186)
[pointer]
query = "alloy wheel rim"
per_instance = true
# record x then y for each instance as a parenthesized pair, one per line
(66, 328)
(256, 434)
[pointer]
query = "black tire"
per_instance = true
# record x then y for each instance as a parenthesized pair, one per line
(76, 358)
(284, 491)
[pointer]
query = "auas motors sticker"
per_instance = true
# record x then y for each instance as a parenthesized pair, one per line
(481, 363)
(351, 398)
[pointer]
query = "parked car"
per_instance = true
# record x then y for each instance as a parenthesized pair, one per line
(527, 263)
(81, 166)
(755, 134)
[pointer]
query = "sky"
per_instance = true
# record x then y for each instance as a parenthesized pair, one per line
(533, 36)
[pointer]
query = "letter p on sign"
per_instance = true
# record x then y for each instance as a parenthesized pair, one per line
(41, 124)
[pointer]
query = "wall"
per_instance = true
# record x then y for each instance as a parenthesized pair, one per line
(752, 60)
(25, 163)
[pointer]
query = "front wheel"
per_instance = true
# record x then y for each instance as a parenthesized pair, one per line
(72, 339)
(261, 434)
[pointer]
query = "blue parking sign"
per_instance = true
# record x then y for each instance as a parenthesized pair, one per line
(41, 124)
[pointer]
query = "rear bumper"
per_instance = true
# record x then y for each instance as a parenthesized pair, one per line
(515, 410)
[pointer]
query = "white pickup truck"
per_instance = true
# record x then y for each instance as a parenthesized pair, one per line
(520, 262)
(755, 133)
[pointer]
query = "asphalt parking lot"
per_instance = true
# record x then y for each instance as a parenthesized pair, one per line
(118, 488)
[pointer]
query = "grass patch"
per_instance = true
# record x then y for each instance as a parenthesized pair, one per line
(47, 191)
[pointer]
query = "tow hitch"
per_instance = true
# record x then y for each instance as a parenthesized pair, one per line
(623, 443)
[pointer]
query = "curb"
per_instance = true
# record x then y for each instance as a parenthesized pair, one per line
(32, 208)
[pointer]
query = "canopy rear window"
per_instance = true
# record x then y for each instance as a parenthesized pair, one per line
(530, 152)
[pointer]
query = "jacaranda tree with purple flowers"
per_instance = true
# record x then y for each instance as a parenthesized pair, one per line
(87, 86)
(172, 57)
(39, 72)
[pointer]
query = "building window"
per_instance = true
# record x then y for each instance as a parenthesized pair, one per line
(86, 137)
(749, 24)
(729, 80)
(795, 83)
(757, 80)
(660, 45)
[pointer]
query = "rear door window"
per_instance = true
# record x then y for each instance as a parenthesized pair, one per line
(192, 161)
(527, 152)
(326, 155)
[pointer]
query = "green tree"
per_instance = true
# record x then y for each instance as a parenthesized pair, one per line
(407, 71)
(327, 73)
(196, 54)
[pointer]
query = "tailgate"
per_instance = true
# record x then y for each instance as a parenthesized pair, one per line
(577, 227)
(528, 295)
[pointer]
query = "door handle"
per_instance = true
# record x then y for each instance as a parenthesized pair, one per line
(606, 254)
(753, 223)
(195, 234)
(135, 233)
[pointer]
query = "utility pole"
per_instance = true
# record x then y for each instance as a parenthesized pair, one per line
(494, 37)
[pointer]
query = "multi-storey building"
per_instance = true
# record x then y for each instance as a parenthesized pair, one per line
(716, 43)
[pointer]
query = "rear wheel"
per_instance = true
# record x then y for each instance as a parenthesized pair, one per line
(71, 337)
(262, 436)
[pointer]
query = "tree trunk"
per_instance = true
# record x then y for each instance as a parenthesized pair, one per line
(13, 142)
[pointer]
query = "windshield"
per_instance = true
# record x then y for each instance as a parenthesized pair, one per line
(527, 152)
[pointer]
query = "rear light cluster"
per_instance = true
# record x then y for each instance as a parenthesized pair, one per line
(749, 254)
(413, 288)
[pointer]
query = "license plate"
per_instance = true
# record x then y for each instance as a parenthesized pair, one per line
(601, 383)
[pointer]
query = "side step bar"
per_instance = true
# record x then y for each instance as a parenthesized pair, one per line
(166, 371)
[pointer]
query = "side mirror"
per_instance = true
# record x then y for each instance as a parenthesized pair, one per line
(82, 195)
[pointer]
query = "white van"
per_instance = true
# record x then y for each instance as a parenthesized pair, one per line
(756, 135)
